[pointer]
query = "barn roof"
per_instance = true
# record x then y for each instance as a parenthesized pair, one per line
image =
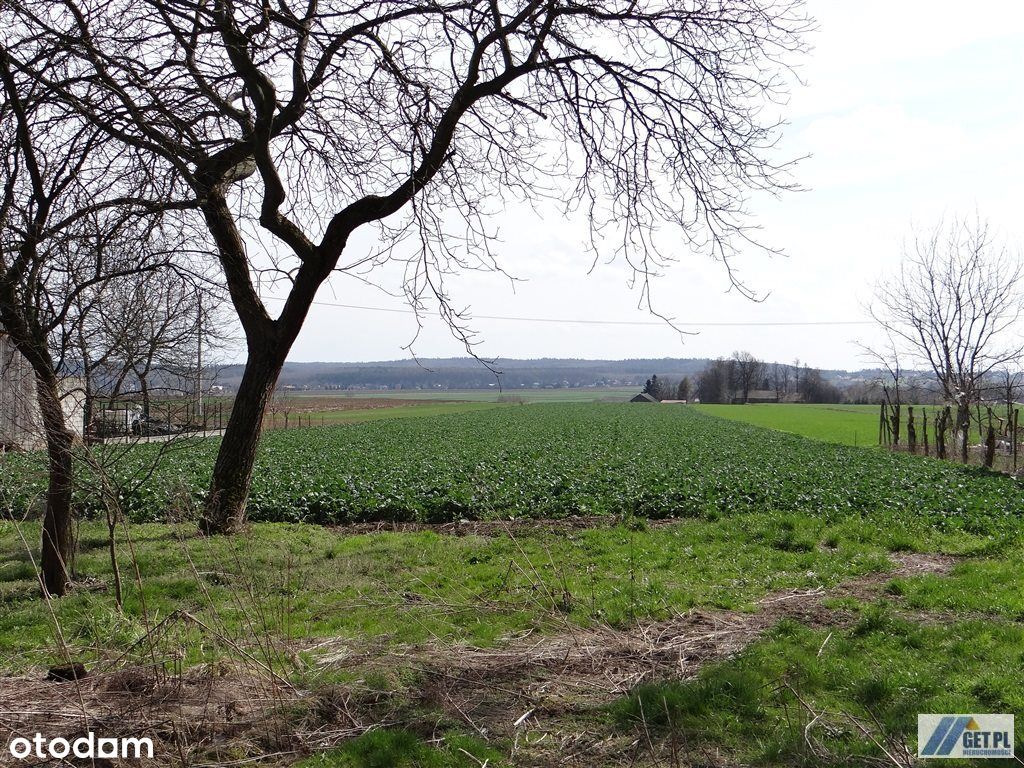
(643, 397)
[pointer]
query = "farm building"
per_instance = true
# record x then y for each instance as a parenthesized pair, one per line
(643, 397)
(20, 423)
(758, 396)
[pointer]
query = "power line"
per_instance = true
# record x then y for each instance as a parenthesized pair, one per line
(589, 321)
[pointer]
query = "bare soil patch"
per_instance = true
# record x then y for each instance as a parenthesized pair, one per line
(208, 715)
(318, 404)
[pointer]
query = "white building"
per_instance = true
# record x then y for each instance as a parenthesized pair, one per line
(20, 421)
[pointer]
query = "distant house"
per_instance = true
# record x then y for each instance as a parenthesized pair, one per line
(758, 396)
(643, 397)
(20, 422)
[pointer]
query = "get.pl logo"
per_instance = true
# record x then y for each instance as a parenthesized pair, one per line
(977, 736)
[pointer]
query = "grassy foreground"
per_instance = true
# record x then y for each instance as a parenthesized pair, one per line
(302, 581)
(283, 594)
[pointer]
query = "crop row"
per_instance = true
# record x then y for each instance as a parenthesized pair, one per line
(553, 461)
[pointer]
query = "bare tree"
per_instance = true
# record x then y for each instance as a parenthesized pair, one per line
(781, 380)
(1011, 385)
(891, 380)
(953, 308)
(152, 329)
(683, 388)
(295, 128)
(714, 383)
(748, 372)
(61, 234)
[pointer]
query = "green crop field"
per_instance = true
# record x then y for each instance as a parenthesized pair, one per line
(642, 583)
(554, 460)
(848, 424)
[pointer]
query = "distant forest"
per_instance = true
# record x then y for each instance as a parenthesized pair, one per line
(466, 373)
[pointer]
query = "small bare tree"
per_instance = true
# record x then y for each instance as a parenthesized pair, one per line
(153, 330)
(891, 380)
(62, 235)
(953, 308)
(781, 380)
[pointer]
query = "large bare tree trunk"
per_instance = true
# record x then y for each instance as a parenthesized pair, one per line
(232, 473)
(58, 542)
(268, 344)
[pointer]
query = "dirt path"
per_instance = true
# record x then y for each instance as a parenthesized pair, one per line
(522, 690)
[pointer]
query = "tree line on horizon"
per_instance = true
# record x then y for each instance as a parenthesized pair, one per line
(734, 379)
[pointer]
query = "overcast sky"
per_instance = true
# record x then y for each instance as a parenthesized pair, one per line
(911, 111)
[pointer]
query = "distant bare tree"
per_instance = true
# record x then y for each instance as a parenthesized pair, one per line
(152, 329)
(294, 128)
(683, 389)
(890, 380)
(780, 380)
(714, 382)
(953, 308)
(748, 372)
(1007, 387)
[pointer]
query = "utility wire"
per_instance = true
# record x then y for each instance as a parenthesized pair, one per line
(587, 321)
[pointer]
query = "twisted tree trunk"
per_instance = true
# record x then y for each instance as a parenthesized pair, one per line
(58, 542)
(57, 547)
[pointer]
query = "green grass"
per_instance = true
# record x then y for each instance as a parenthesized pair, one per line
(881, 672)
(301, 581)
(759, 511)
(397, 748)
(846, 424)
(993, 585)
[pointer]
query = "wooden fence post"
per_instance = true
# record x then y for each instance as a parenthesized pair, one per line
(990, 442)
(1016, 413)
(911, 430)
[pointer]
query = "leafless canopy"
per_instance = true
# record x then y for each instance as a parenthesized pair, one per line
(336, 114)
(955, 306)
(69, 223)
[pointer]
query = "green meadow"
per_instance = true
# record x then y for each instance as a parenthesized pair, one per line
(848, 424)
